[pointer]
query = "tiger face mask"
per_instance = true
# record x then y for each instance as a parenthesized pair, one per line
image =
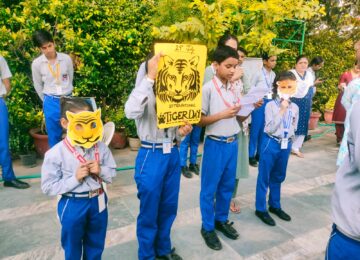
(286, 88)
(85, 128)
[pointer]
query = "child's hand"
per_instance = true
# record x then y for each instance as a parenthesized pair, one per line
(185, 129)
(153, 65)
(94, 167)
(284, 105)
(259, 103)
(231, 112)
(82, 172)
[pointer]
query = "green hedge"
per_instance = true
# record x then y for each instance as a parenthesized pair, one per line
(107, 40)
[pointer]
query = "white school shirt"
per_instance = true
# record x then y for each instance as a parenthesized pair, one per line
(212, 103)
(45, 82)
(140, 106)
(4, 74)
(60, 165)
(303, 85)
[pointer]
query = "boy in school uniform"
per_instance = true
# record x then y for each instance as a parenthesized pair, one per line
(281, 119)
(344, 242)
(75, 168)
(192, 140)
(220, 105)
(5, 157)
(52, 74)
(157, 168)
(262, 79)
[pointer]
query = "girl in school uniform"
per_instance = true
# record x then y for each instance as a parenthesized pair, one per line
(281, 119)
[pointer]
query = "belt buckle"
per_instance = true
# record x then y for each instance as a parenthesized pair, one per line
(93, 193)
(230, 139)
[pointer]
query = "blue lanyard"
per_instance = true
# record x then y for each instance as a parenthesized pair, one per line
(268, 83)
(286, 120)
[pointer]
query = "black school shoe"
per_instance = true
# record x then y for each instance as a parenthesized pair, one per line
(265, 217)
(227, 229)
(17, 184)
(253, 162)
(211, 239)
(185, 171)
(171, 256)
(280, 213)
(194, 168)
(307, 138)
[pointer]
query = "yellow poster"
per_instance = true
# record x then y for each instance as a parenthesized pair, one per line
(179, 83)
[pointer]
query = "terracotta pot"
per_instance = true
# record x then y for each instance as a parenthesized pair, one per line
(314, 119)
(328, 114)
(119, 140)
(40, 141)
(134, 143)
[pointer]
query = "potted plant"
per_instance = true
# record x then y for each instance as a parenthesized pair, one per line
(329, 109)
(40, 138)
(314, 119)
(131, 132)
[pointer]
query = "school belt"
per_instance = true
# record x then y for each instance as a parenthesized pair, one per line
(57, 97)
(154, 145)
(84, 195)
(225, 139)
(342, 232)
(277, 139)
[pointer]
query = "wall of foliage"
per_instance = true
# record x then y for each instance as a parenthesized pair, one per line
(107, 40)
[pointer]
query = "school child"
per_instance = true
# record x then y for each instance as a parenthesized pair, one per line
(344, 241)
(262, 79)
(5, 158)
(281, 118)
(52, 74)
(220, 104)
(75, 169)
(192, 140)
(157, 168)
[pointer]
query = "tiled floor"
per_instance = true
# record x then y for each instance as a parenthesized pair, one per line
(29, 228)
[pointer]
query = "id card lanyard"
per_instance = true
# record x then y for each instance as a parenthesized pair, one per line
(56, 75)
(166, 143)
(81, 158)
(268, 82)
(222, 97)
(286, 120)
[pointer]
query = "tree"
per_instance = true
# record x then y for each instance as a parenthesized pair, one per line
(254, 22)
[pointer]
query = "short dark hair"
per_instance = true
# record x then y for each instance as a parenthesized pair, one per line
(300, 57)
(316, 61)
(41, 37)
(266, 56)
(242, 50)
(227, 36)
(284, 75)
(224, 52)
(73, 104)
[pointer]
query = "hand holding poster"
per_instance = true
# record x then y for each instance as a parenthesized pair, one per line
(179, 83)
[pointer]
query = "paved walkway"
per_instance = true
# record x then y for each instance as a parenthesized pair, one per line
(29, 228)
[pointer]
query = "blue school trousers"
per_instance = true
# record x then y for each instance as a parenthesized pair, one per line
(257, 129)
(83, 228)
(192, 139)
(272, 172)
(341, 246)
(52, 115)
(5, 158)
(157, 176)
(218, 172)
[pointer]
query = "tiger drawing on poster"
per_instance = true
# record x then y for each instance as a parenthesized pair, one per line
(178, 80)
